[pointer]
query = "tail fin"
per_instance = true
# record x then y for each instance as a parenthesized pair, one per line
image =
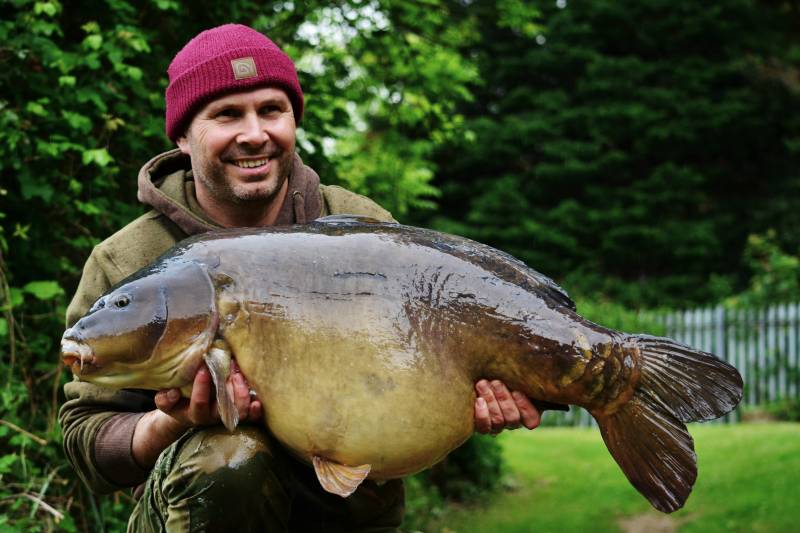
(647, 436)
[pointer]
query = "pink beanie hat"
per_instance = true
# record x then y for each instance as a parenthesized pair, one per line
(223, 60)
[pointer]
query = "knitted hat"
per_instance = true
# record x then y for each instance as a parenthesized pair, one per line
(223, 60)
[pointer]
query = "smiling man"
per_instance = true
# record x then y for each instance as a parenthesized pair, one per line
(241, 148)
(233, 105)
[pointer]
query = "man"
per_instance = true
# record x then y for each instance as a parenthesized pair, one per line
(233, 103)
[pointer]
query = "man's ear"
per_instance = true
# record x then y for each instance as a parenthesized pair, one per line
(183, 144)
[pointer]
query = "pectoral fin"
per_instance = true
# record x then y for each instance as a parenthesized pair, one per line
(339, 479)
(218, 361)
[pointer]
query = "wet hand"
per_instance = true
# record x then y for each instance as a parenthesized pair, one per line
(201, 408)
(496, 408)
(160, 427)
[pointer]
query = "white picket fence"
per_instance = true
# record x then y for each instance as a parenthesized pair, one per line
(763, 344)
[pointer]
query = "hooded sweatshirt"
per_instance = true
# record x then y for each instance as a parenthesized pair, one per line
(97, 422)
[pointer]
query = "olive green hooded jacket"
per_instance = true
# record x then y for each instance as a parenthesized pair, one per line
(98, 423)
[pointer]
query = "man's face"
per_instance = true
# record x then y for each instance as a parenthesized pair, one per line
(241, 146)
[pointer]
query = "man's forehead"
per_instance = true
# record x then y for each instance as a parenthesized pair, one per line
(260, 95)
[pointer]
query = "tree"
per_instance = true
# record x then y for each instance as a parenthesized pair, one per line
(628, 148)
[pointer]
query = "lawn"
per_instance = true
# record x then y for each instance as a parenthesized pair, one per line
(564, 480)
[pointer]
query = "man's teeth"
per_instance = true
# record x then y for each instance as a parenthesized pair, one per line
(251, 163)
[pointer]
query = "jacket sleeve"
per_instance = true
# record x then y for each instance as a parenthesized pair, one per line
(97, 423)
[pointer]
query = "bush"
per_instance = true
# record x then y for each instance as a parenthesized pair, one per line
(786, 409)
(475, 468)
(424, 503)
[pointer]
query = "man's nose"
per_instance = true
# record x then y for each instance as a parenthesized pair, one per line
(254, 130)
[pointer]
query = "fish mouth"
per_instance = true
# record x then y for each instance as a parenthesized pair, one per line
(76, 355)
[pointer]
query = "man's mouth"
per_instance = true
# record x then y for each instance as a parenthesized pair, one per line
(250, 163)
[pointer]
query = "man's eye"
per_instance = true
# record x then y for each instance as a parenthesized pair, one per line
(228, 113)
(267, 109)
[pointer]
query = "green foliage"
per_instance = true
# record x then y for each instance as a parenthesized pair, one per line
(630, 147)
(424, 503)
(43, 290)
(394, 171)
(615, 316)
(72, 91)
(787, 409)
(774, 274)
(473, 470)
(392, 98)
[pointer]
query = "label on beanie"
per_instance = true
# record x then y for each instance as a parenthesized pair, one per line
(244, 68)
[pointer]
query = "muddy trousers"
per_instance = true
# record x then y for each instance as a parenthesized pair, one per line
(212, 480)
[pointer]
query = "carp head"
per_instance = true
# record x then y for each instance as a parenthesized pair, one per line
(150, 331)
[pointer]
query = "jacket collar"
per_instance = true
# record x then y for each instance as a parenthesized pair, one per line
(166, 184)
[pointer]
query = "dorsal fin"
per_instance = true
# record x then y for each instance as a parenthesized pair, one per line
(506, 263)
(501, 263)
(547, 285)
(349, 219)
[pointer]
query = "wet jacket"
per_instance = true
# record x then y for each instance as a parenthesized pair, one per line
(97, 422)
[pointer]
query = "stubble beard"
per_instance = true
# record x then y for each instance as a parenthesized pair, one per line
(214, 179)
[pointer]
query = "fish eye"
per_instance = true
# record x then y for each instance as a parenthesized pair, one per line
(122, 301)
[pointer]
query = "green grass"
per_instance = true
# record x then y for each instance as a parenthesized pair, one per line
(565, 480)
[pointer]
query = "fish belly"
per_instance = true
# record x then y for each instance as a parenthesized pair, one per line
(354, 396)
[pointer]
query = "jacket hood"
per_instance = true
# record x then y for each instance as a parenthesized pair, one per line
(166, 184)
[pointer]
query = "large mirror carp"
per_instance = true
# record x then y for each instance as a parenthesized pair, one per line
(363, 341)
